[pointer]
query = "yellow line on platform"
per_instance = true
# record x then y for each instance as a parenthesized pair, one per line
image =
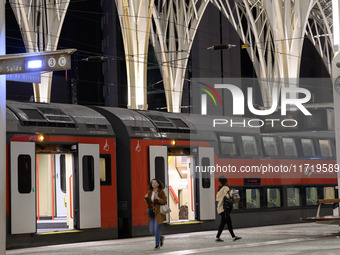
(186, 222)
(59, 232)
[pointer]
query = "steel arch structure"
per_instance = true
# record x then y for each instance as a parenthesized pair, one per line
(40, 23)
(274, 32)
(175, 23)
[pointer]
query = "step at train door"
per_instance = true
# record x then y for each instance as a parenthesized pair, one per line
(205, 184)
(88, 187)
(23, 195)
(158, 162)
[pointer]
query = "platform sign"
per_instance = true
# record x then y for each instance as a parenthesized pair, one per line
(36, 62)
(24, 77)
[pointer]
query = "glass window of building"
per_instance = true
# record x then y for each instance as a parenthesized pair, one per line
(289, 147)
(273, 197)
(325, 148)
(270, 146)
(307, 147)
(228, 145)
(249, 145)
(293, 196)
(253, 198)
(311, 195)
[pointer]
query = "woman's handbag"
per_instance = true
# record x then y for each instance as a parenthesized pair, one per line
(227, 204)
(150, 212)
(164, 209)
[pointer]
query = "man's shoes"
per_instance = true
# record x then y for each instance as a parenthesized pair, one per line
(157, 247)
(162, 241)
(236, 238)
(219, 240)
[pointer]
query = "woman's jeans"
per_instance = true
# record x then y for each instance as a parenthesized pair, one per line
(155, 230)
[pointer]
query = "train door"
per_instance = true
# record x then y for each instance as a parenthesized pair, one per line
(205, 184)
(23, 186)
(60, 185)
(64, 189)
(88, 187)
(158, 159)
(54, 197)
(181, 192)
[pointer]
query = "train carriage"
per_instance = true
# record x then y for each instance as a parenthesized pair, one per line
(61, 174)
(89, 175)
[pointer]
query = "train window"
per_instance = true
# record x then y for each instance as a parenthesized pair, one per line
(159, 169)
(270, 146)
(253, 198)
(249, 145)
(328, 193)
(293, 196)
(289, 147)
(24, 174)
(88, 173)
(62, 173)
(311, 195)
(307, 147)
(228, 145)
(33, 114)
(273, 197)
(105, 169)
(325, 148)
(206, 174)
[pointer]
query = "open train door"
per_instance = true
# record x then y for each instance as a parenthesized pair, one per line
(88, 187)
(158, 162)
(23, 195)
(205, 184)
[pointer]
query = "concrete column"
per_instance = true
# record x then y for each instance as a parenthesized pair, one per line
(2, 135)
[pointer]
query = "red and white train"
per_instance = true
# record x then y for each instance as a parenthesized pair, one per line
(80, 173)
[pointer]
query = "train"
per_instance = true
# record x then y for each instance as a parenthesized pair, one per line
(79, 173)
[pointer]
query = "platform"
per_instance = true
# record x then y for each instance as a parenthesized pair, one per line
(303, 238)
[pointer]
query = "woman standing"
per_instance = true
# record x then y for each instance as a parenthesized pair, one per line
(225, 215)
(154, 199)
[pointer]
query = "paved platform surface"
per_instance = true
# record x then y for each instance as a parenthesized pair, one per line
(304, 238)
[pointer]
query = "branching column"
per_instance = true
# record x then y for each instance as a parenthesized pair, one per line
(289, 22)
(40, 22)
(172, 34)
(275, 32)
(250, 21)
(135, 20)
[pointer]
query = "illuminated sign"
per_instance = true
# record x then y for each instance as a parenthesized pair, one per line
(252, 181)
(35, 62)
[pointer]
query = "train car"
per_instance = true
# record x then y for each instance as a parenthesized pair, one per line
(182, 150)
(61, 174)
(178, 148)
(284, 174)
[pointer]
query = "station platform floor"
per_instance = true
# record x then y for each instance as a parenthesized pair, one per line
(302, 238)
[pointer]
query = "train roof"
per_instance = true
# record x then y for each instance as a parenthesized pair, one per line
(51, 118)
(164, 125)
